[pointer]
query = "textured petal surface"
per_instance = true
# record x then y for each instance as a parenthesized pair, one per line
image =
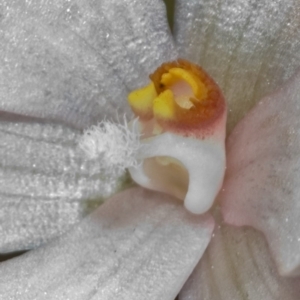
(46, 184)
(248, 46)
(75, 61)
(262, 184)
(237, 265)
(138, 245)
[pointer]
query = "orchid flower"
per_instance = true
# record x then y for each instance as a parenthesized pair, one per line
(68, 65)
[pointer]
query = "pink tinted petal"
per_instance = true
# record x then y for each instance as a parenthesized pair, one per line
(75, 61)
(262, 185)
(138, 245)
(237, 266)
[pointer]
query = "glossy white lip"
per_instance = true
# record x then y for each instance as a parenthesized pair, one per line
(203, 161)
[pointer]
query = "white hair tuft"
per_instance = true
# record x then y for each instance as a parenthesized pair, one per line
(116, 145)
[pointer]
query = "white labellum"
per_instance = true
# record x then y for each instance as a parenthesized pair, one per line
(188, 168)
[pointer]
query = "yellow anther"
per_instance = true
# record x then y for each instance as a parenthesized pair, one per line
(180, 95)
(164, 105)
(168, 79)
(197, 86)
(141, 100)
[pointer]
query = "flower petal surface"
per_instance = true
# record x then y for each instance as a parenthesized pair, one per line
(249, 47)
(262, 184)
(75, 61)
(46, 183)
(138, 245)
(237, 265)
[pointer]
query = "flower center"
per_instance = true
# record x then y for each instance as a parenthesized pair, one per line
(180, 94)
(181, 118)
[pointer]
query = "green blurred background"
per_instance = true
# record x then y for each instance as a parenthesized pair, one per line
(170, 11)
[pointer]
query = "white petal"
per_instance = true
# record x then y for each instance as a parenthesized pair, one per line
(46, 183)
(76, 61)
(138, 245)
(262, 185)
(237, 265)
(249, 47)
